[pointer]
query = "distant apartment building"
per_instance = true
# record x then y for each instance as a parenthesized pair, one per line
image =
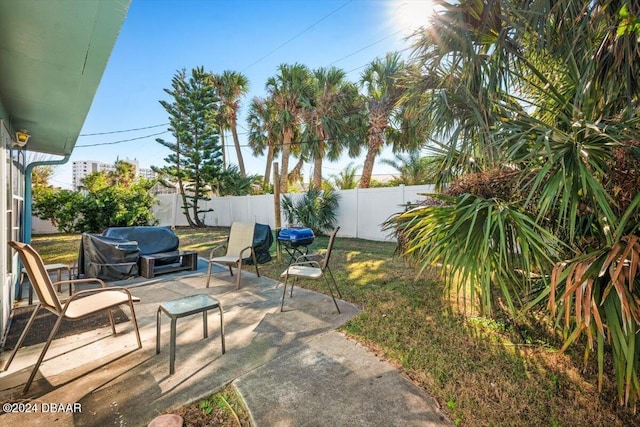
(82, 168)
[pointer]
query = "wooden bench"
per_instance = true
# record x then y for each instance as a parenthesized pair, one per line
(187, 260)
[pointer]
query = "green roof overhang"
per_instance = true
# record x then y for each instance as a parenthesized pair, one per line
(52, 57)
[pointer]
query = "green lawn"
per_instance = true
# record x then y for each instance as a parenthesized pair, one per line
(483, 372)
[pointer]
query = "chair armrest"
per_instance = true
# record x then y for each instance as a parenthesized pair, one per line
(215, 248)
(86, 292)
(310, 257)
(75, 282)
(249, 248)
(308, 263)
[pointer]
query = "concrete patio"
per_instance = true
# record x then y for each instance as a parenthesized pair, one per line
(291, 368)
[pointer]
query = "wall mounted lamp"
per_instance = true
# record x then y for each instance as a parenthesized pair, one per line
(22, 137)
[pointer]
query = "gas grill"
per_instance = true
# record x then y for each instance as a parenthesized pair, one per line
(296, 241)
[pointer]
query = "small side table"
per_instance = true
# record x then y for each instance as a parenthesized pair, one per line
(182, 307)
(57, 268)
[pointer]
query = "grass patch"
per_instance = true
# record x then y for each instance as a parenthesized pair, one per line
(223, 408)
(483, 372)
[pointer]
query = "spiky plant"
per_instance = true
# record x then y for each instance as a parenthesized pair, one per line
(316, 209)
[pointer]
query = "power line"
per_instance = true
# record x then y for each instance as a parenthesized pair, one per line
(255, 62)
(296, 36)
(121, 141)
(366, 47)
(124, 130)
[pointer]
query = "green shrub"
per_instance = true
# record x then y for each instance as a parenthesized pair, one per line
(316, 209)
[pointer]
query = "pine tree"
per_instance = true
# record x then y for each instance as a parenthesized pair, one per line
(196, 157)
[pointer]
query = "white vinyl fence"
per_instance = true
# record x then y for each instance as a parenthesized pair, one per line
(360, 214)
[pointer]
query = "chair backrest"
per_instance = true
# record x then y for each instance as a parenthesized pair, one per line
(240, 237)
(38, 276)
(332, 239)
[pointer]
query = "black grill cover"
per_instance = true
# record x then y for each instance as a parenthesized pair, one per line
(262, 241)
(107, 258)
(151, 240)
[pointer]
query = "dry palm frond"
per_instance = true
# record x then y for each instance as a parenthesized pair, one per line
(600, 294)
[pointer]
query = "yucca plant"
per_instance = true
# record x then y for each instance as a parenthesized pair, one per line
(486, 244)
(598, 294)
(549, 90)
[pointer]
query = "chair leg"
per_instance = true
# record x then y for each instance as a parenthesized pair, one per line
(209, 274)
(253, 254)
(42, 354)
(135, 323)
(284, 292)
(22, 337)
(113, 324)
(334, 282)
(292, 285)
(221, 327)
(331, 292)
(239, 274)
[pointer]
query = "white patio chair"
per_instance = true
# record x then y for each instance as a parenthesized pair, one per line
(312, 266)
(239, 245)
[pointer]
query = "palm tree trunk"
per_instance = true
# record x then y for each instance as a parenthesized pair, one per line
(267, 169)
(317, 166)
(296, 172)
(236, 142)
(224, 151)
(284, 168)
(375, 142)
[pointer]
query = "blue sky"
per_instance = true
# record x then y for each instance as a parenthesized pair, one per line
(160, 37)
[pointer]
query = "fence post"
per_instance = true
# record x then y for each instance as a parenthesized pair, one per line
(276, 205)
(357, 212)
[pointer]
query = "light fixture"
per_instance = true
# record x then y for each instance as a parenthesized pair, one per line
(22, 137)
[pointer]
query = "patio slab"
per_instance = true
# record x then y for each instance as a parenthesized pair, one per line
(292, 368)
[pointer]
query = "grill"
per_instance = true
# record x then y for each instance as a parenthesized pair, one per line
(295, 241)
(295, 237)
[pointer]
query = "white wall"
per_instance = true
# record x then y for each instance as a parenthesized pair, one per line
(360, 214)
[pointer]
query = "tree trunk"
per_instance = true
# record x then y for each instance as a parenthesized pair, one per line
(317, 167)
(284, 168)
(224, 154)
(296, 172)
(267, 169)
(375, 142)
(185, 206)
(236, 142)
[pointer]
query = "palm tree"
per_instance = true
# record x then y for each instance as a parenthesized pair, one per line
(289, 91)
(413, 168)
(331, 119)
(381, 83)
(346, 179)
(124, 173)
(231, 86)
(264, 132)
(552, 97)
